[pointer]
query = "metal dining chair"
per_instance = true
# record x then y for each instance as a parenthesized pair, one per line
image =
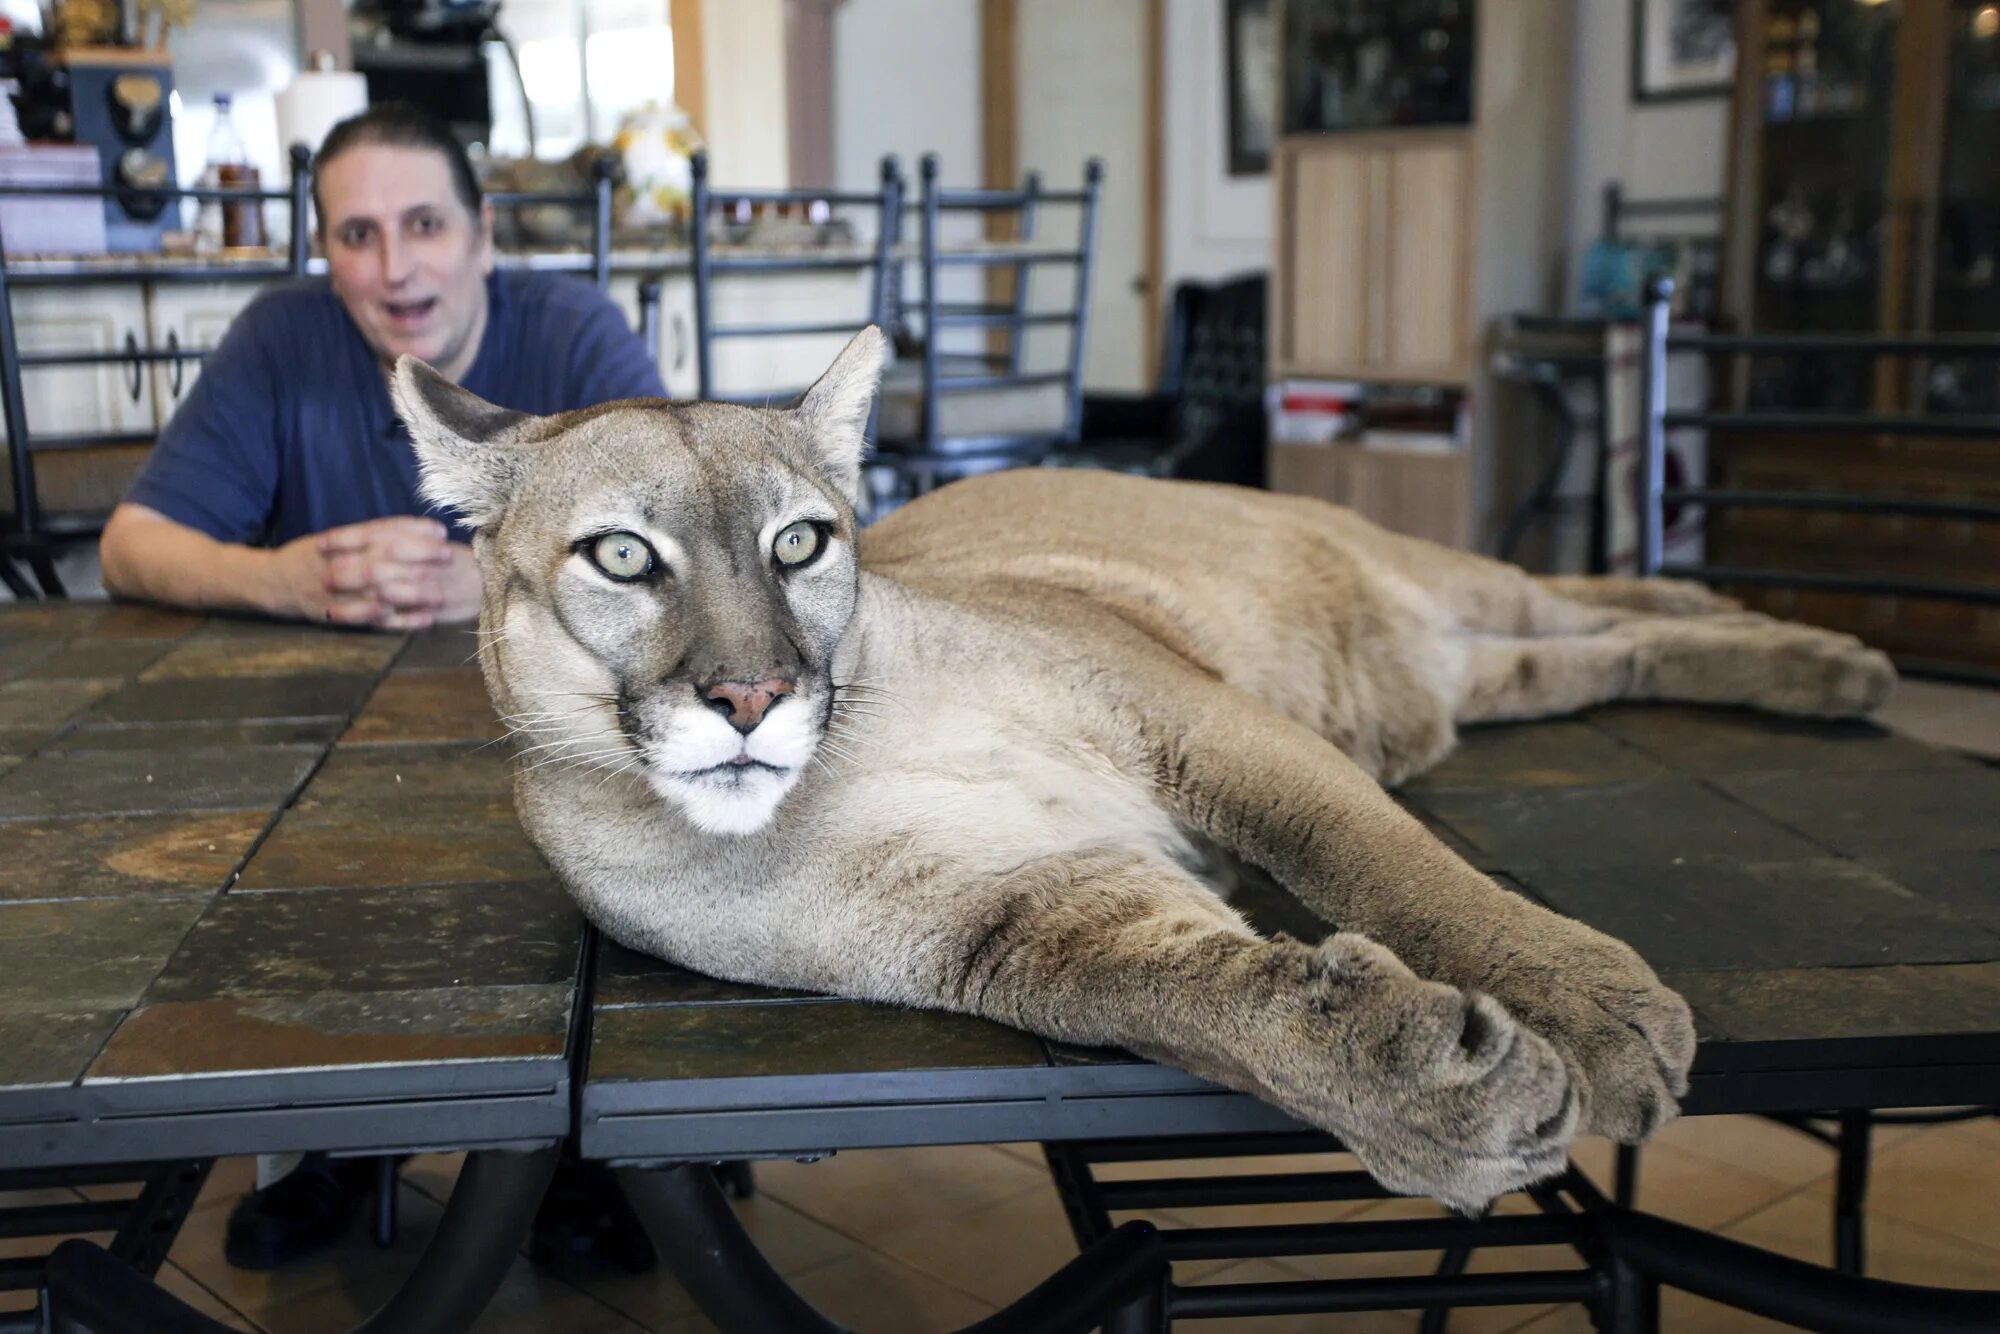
(951, 411)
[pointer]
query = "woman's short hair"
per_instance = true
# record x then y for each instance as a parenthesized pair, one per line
(399, 125)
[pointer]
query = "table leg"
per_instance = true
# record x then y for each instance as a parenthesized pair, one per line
(483, 1226)
(1850, 1189)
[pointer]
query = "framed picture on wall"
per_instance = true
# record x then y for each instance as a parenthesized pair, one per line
(1682, 49)
(1251, 84)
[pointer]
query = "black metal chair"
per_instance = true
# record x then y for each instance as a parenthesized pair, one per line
(712, 259)
(1847, 1132)
(1205, 420)
(939, 421)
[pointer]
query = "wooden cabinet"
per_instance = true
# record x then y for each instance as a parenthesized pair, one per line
(78, 400)
(1864, 199)
(190, 315)
(1375, 234)
(1418, 189)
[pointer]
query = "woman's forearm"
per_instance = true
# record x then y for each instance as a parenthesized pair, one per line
(149, 556)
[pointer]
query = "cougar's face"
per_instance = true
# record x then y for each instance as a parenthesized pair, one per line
(665, 583)
(680, 625)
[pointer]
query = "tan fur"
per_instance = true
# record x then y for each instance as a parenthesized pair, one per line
(1039, 696)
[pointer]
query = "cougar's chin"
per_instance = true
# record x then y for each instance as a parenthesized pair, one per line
(723, 781)
(728, 799)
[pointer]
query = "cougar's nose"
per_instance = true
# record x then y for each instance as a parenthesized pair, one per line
(744, 703)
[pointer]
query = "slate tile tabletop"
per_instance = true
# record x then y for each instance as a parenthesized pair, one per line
(263, 883)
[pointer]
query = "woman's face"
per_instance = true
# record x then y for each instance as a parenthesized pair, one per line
(408, 259)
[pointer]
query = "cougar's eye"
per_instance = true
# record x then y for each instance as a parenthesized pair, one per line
(797, 544)
(623, 556)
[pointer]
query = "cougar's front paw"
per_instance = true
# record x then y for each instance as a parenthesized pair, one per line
(1441, 1092)
(1629, 1039)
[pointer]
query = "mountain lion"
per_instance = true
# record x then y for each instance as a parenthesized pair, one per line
(971, 758)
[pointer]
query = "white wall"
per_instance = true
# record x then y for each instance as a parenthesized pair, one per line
(905, 81)
(743, 62)
(1216, 224)
(1656, 150)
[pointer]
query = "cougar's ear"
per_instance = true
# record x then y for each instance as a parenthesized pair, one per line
(467, 449)
(835, 410)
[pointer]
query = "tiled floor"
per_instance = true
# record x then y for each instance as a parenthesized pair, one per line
(931, 1239)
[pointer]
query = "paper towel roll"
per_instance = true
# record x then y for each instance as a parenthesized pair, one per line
(315, 102)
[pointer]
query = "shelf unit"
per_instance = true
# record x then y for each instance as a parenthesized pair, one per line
(1397, 246)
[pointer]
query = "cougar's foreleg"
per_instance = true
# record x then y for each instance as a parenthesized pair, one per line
(1437, 1092)
(1286, 800)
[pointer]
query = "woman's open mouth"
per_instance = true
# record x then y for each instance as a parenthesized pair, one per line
(409, 315)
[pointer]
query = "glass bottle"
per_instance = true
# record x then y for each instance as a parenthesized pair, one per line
(237, 222)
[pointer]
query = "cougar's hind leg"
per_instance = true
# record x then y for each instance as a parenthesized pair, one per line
(1727, 659)
(1507, 680)
(1652, 597)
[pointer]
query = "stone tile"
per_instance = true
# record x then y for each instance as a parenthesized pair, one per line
(212, 699)
(787, 1238)
(1711, 913)
(412, 772)
(1945, 1180)
(351, 1272)
(997, 1253)
(1801, 1226)
(1698, 1191)
(157, 737)
(1709, 741)
(239, 1033)
(376, 844)
(137, 621)
(17, 742)
(1272, 908)
(106, 783)
(441, 647)
(1618, 823)
(1475, 856)
(57, 619)
(798, 1038)
(376, 940)
(146, 854)
(627, 977)
(1880, 815)
(428, 706)
(20, 655)
(1941, 713)
(44, 1049)
(37, 704)
(1845, 1003)
(875, 1192)
(98, 658)
(276, 653)
(1558, 754)
(868, 1291)
(1747, 1143)
(86, 955)
(1967, 883)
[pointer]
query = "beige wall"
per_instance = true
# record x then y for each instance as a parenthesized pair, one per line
(1656, 150)
(1215, 224)
(743, 62)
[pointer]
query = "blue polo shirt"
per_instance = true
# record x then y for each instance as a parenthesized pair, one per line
(290, 429)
